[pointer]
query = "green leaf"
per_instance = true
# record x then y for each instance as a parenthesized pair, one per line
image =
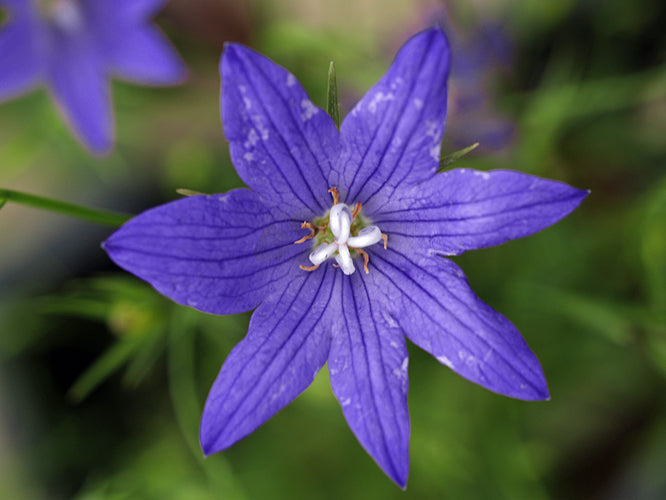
(653, 246)
(447, 160)
(107, 364)
(656, 349)
(332, 106)
(113, 219)
(187, 192)
(145, 358)
(615, 321)
(186, 403)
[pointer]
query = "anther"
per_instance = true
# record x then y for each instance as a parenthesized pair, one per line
(335, 194)
(385, 238)
(309, 226)
(309, 268)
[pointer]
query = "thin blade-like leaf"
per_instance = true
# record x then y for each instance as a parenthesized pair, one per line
(447, 160)
(107, 364)
(332, 106)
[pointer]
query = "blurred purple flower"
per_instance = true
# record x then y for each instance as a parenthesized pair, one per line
(232, 252)
(74, 47)
(477, 57)
(479, 54)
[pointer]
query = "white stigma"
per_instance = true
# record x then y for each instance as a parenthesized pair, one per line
(67, 15)
(340, 221)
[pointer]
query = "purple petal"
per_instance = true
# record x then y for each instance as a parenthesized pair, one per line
(17, 5)
(432, 302)
(281, 144)
(20, 62)
(130, 45)
(368, 369)
(132, 10)
(464, 209)
(82, 90)
(286, 345)
(142, 54)
(393, 134)
(220, 254)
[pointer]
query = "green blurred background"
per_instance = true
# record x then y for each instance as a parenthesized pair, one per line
(102, 381)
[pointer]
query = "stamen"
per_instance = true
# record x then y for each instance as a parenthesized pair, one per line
(309, 226)
(339, 225)
(309, 268)
(335, 194)
(357, 209)
(366, 259)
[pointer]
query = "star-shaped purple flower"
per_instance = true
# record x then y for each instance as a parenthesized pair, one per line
(74, 47)
(369, 197)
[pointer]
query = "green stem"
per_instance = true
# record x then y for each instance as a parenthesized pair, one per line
(114, 219)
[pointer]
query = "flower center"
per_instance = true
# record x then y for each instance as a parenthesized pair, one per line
(66, 14)
(333, 238)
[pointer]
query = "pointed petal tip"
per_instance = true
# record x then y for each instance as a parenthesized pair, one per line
(234, 49)
(434, 33)
(535, 391)
(401, 479)
(210, 440)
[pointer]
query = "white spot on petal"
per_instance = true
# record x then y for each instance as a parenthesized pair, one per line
(378, 98)
(435, 152)
(418, 103)
(445, 361)
(391, 323)
(291, 80)
(484, 175)
(345, 402)
(252, 139)
(262, 130)
(396, 83)
(309, 110)
(433, 130)
(248, 156)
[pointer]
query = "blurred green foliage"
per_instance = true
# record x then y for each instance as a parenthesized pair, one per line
(102, 380)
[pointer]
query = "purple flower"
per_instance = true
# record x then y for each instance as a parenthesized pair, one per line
(232, 252)
(74, 46)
